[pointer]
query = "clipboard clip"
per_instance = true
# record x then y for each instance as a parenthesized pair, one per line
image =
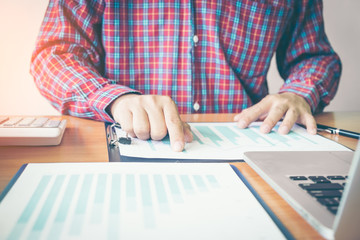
(113, 140)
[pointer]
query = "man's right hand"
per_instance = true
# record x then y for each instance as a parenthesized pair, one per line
(151, 116)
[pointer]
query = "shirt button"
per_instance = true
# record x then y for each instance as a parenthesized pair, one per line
(195, 39)
(196, 106)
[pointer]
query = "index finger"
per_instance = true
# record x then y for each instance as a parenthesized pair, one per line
(310, 123)
(174, 126)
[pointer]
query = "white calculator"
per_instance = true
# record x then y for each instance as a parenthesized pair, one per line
(31, 131)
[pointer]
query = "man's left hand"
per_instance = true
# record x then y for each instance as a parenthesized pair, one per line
(287, 106)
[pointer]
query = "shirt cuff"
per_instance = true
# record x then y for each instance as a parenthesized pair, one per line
(102, 98)
(305, 90)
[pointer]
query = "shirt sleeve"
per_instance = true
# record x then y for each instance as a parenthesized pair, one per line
(68, 61)
(305, 58)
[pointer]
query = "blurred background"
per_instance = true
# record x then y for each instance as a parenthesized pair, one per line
(20, 22)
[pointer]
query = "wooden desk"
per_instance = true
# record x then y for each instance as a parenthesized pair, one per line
(84, 141)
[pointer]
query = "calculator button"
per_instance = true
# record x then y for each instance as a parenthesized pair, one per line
(52, 124)
(3, 119)
(26, 122)
(39, 122)
(12, 122)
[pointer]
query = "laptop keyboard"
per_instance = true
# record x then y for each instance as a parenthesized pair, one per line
(327, 190)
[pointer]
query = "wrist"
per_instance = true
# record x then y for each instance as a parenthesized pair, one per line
(298, 99)
(115, 104)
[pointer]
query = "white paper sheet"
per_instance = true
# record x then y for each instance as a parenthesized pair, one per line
(132, 201)
(225, 141)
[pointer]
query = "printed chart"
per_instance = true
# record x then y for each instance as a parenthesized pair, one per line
(225, 141)
(131, 201)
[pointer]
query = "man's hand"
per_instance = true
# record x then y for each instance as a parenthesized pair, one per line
(151, 116)
(289, 106)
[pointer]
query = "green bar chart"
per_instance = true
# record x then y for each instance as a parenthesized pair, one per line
(225, 136)
(132, 201)
(225, 141)
(114, 197)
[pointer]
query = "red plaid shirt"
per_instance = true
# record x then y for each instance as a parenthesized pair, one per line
(91, 52)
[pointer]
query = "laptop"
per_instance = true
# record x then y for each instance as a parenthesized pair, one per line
(323, 187)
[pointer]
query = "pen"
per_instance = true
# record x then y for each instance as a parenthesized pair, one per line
(338, 131)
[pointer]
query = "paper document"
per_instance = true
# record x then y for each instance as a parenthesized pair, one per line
(225, 141)
(133, 201)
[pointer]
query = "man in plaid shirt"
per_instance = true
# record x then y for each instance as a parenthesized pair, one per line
(141, 62)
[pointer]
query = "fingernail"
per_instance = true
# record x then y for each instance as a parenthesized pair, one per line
(265, 128)
(188, 138)
(178, 146)
(312, 131)
(241, 124)
(236, 118)
(283, 130)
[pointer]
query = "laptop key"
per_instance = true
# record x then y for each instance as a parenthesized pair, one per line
(336, 177)
(298, 178)
(321, 186)
(325, 193)
(319, 179)
(333, 209)
(329, 201)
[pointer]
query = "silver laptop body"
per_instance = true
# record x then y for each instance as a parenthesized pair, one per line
(279, 169)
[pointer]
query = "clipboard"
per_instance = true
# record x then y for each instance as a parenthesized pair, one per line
(112, 143)
(114, 151)
(215, 142)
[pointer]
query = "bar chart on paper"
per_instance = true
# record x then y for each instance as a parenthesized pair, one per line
(130, 201)
(225, 141)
